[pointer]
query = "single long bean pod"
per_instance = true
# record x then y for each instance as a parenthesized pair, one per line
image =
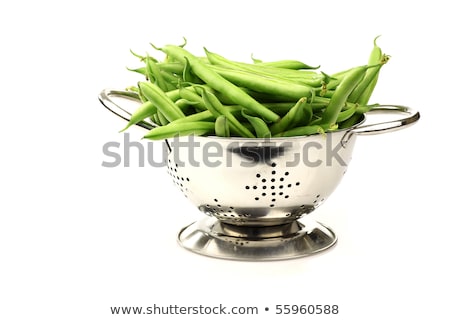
(167, 107)
(259, 125)
(148, 108)
(218, 83)
(180, 129)
(367, 93)
(141, 70)
(346, 114)
(144, 111)
(343, 90)
(199, 116)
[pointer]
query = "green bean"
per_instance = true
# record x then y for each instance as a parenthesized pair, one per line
(199, 116)
(191, 95)
(309, 81)
(172, 81)
(363, 91)
(218, 83)
(180, 129)
(163, 121)
(258, 124)
(341, 74)
(255, 60)
(366, 108)
(169, 58)
(376, 56)
(184, 105)
(165, 77)
(288, 121)
(213, 104)
(264, 98)
(206, 115)
(155, 119)
(132, 89)
(281, 108)
(154, 74)
(350, 122)
(287, 64)
(263, 84)
(188, 75)
(141, 70)
(224, 99)
(370, 76)
(345, 114)
(304, 114)
(301, 131)
(162, 102)
(141, 58)
(221, 126)
(187, 107)
(202, 114)
(147, 109)
(171, 67)
(142, 97)
(343, 90)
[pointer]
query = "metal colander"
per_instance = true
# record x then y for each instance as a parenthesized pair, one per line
(257, 193)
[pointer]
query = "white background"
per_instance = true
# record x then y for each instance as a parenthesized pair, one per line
(77, 238)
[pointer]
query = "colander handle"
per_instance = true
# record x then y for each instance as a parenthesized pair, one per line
(106, 98)
(387, 126)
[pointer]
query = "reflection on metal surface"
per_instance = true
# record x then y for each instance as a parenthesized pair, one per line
(213, 238)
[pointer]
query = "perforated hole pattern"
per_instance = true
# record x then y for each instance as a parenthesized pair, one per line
(271, 189)
(275, 186)
(179, 180)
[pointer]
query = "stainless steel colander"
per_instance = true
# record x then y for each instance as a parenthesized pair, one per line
(257, 193)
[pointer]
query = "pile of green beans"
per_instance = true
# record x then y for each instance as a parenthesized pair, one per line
(213, 96)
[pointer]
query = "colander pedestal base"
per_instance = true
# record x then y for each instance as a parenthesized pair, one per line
(296, 239)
